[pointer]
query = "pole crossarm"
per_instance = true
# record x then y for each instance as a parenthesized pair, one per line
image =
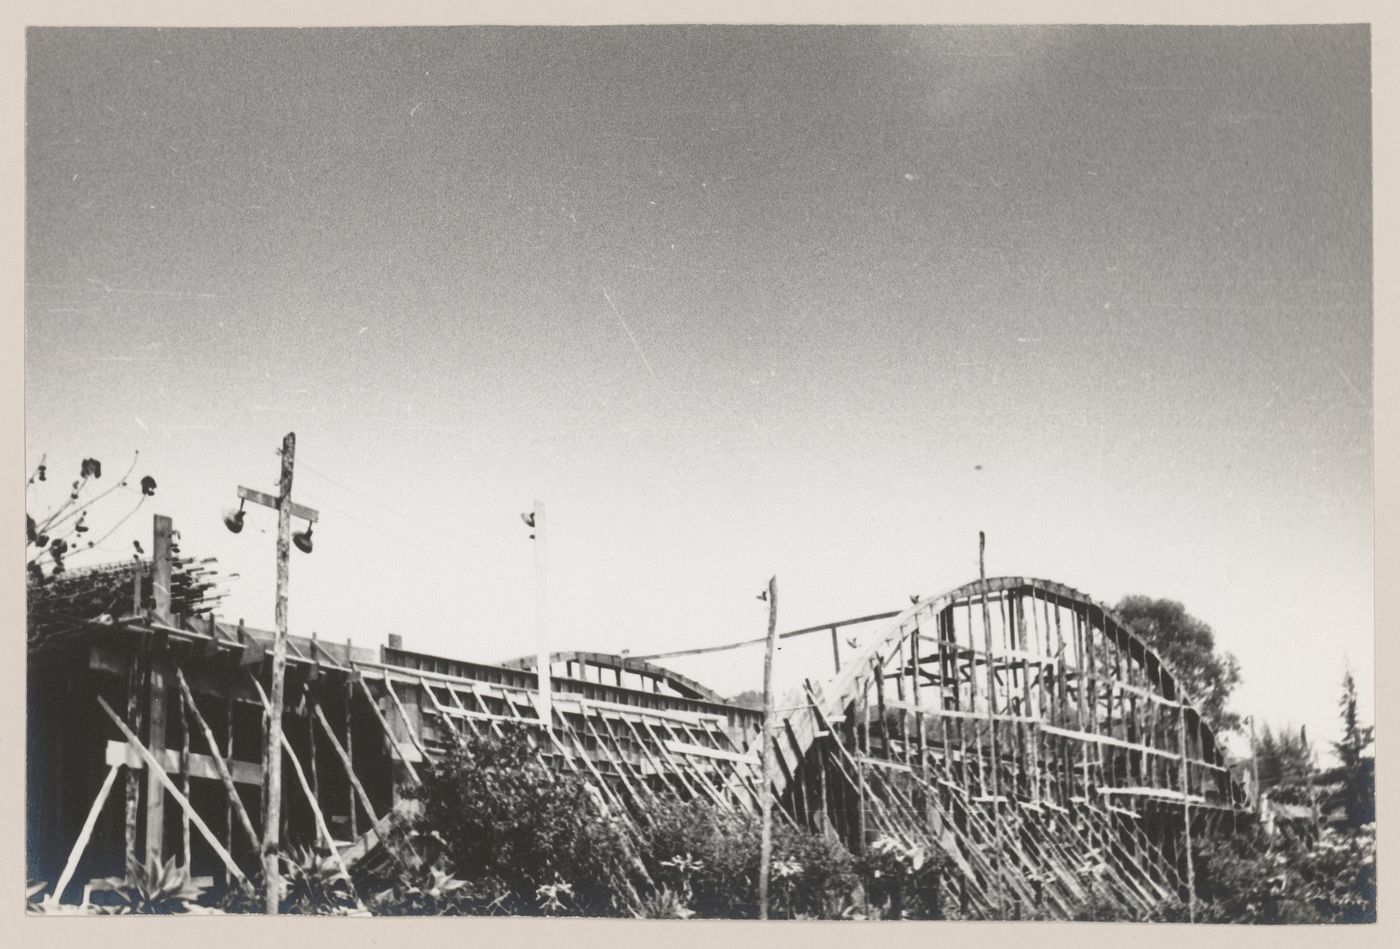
(267, 500)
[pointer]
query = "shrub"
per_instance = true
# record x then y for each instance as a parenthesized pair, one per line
(1252, 878)
(711, 859)
(508, 823)
(902, 880)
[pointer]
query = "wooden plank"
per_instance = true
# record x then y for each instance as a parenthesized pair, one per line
(403, 715)
(320, 819)
(300, 511)
(224, 774)
(184, 773)
(389, 732)
(201, 766)
(133, 782)
(155, 769)
(160, 569)
(344, 755)
(350, 735)
(155, 732)
(684, 748)
(85, 834)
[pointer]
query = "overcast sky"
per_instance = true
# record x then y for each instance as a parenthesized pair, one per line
(732, 302)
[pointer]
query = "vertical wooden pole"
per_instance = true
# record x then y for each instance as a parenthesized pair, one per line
(155, 717)
(160, 568)
(133, 781)
(835, 648)
(544, 702)
(991, 718)
(350, 736)
(765, 851)
(1186, 816)
(185, 775)
(228, 756)
(272, 749)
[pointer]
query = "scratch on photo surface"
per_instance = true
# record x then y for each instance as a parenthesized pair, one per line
(159, 293)
(636, 345)
(1352, 386)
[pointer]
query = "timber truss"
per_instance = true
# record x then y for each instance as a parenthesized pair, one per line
(1012, 724)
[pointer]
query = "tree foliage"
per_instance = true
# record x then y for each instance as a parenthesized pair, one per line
(1187, 645)
(1283, 758)
(1255, 878)
(537, 836)
(710, 858)
(1357, 771)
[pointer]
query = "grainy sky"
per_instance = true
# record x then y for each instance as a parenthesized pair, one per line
(819, 302)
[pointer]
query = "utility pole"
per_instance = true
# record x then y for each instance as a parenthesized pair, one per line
(765, 852)
(544, 701)
(272, 749)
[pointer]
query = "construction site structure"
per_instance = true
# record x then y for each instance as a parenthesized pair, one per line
(1012, 724)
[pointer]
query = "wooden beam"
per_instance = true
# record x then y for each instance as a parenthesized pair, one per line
(223, 771)
(154, 767)
(133, 782)
(389, 732)
(155, 735)
(83, 836)
(160, 569)
(201, 766)
(266, 500)
(407, 722)
(344, 755)
(320, 819)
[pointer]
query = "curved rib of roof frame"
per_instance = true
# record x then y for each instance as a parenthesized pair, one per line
(1023, 729)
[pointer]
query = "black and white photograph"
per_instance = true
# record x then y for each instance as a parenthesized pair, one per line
(685, 471)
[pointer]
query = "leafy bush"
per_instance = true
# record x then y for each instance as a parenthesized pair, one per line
(902, 880)
(512, 826)
(1253, 878)
(711, 859)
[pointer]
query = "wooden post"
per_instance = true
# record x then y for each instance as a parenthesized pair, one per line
(153, 766)
(349, 735)
(185, 774)
(836, 648)
(235, 802)
(765, 852)
(228, 805)
(133, 781)
(1186, 814)
(159, 667)
(272, 749)
(543, 701)
(322, 829)
(355, 786)
(160, 569)
(991, 720)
